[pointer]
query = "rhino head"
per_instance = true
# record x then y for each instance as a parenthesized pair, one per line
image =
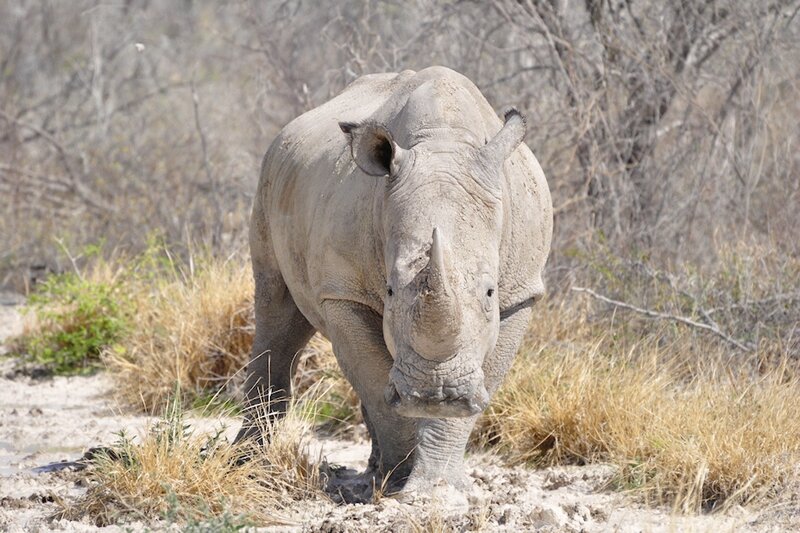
(442, 220)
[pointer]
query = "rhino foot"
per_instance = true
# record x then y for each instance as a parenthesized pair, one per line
(346, 485)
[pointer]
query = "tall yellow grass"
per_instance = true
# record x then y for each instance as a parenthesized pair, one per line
(193, 329)
(684, 424)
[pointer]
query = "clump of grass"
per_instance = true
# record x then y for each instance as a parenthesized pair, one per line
(193, 327)
(154, 320)
(77, 315)
(175, 474)
(338, 407)
(697, 433)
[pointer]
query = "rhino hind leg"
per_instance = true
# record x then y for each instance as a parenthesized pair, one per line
(357, 336)
(281, 332)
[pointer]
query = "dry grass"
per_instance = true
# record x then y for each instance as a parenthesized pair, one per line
(177, 475)
(339, 408)
(193, 330)
(436, 518)
(688, 419)
(693, 431)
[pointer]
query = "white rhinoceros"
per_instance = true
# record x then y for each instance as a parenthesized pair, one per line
(405, 222)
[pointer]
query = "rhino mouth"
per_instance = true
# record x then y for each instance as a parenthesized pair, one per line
(417, 405)
(427, 389)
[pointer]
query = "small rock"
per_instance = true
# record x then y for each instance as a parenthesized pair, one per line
(556, 480)
(579, 512)
(508, 515)
(549, 516)
(599, 513)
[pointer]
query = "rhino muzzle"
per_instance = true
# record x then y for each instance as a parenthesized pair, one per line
(429, 389)
(420, 405)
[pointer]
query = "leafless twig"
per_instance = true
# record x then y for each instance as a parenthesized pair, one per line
(77, 185)
(212, 182)
(666, 316)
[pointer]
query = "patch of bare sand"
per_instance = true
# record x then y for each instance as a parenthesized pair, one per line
(43, 421)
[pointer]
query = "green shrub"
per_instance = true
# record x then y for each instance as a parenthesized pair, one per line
(77, 318)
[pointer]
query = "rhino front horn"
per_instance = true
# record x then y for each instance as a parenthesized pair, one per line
(437, 271)
(434, 330)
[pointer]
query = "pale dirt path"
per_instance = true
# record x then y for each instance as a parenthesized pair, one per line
(50, 420)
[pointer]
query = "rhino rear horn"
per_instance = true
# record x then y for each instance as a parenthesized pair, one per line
(507, 139)
(372, 146)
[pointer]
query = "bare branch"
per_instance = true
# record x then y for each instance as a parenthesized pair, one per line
(665, 316)
(78, 186)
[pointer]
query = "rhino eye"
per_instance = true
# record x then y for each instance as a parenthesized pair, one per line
(490, 293)
(389, 291)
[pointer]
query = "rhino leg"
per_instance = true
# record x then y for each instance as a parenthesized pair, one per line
(357, 336)
(373, 465)
(281, 331)
(439, 457)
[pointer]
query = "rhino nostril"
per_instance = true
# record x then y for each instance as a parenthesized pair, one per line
(451, 394)
(391, 395)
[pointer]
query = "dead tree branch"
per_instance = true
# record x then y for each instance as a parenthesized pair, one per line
(80, 188)
(666, 316)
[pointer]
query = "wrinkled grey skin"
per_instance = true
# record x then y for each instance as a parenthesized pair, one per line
(409, 225)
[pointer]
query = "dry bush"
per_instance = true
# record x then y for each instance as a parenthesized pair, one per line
(175, 474)
(689, 418)
(194, 331)
(659, 125)
(749, 298)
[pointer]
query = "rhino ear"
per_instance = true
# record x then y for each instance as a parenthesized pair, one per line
(372, 146)
(507, 139)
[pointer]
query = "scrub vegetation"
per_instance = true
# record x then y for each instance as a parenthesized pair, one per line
(692, 417)
(668, 344)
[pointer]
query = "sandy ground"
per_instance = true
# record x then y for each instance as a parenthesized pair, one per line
(43, 421)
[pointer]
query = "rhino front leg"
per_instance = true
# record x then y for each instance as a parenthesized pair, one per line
(442, 442)
(439, 457)
(356, 333)
(281, 332)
